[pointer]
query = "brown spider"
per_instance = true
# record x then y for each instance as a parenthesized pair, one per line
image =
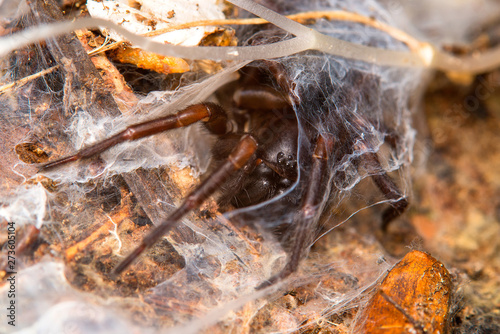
(283, 146)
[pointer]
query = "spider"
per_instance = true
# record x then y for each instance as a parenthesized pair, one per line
(266, 150)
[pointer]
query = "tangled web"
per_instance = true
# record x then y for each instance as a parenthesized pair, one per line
(207, 268)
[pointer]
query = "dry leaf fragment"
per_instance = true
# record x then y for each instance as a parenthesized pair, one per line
(414, 297)
(151, 61)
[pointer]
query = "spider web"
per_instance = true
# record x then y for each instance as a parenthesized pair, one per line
(208, 268)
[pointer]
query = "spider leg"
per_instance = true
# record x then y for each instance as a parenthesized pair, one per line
(310, 207)
(213, 115)
(260, 98)
(238, 158)
(384, 182)
(388, 187)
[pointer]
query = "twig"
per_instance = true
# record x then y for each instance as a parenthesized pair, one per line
(112, 221)
(340, 15)
(25, 80)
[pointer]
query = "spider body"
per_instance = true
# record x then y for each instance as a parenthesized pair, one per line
(274, 168)
(274, 146)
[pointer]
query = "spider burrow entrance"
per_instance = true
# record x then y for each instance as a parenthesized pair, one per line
(258, 158)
